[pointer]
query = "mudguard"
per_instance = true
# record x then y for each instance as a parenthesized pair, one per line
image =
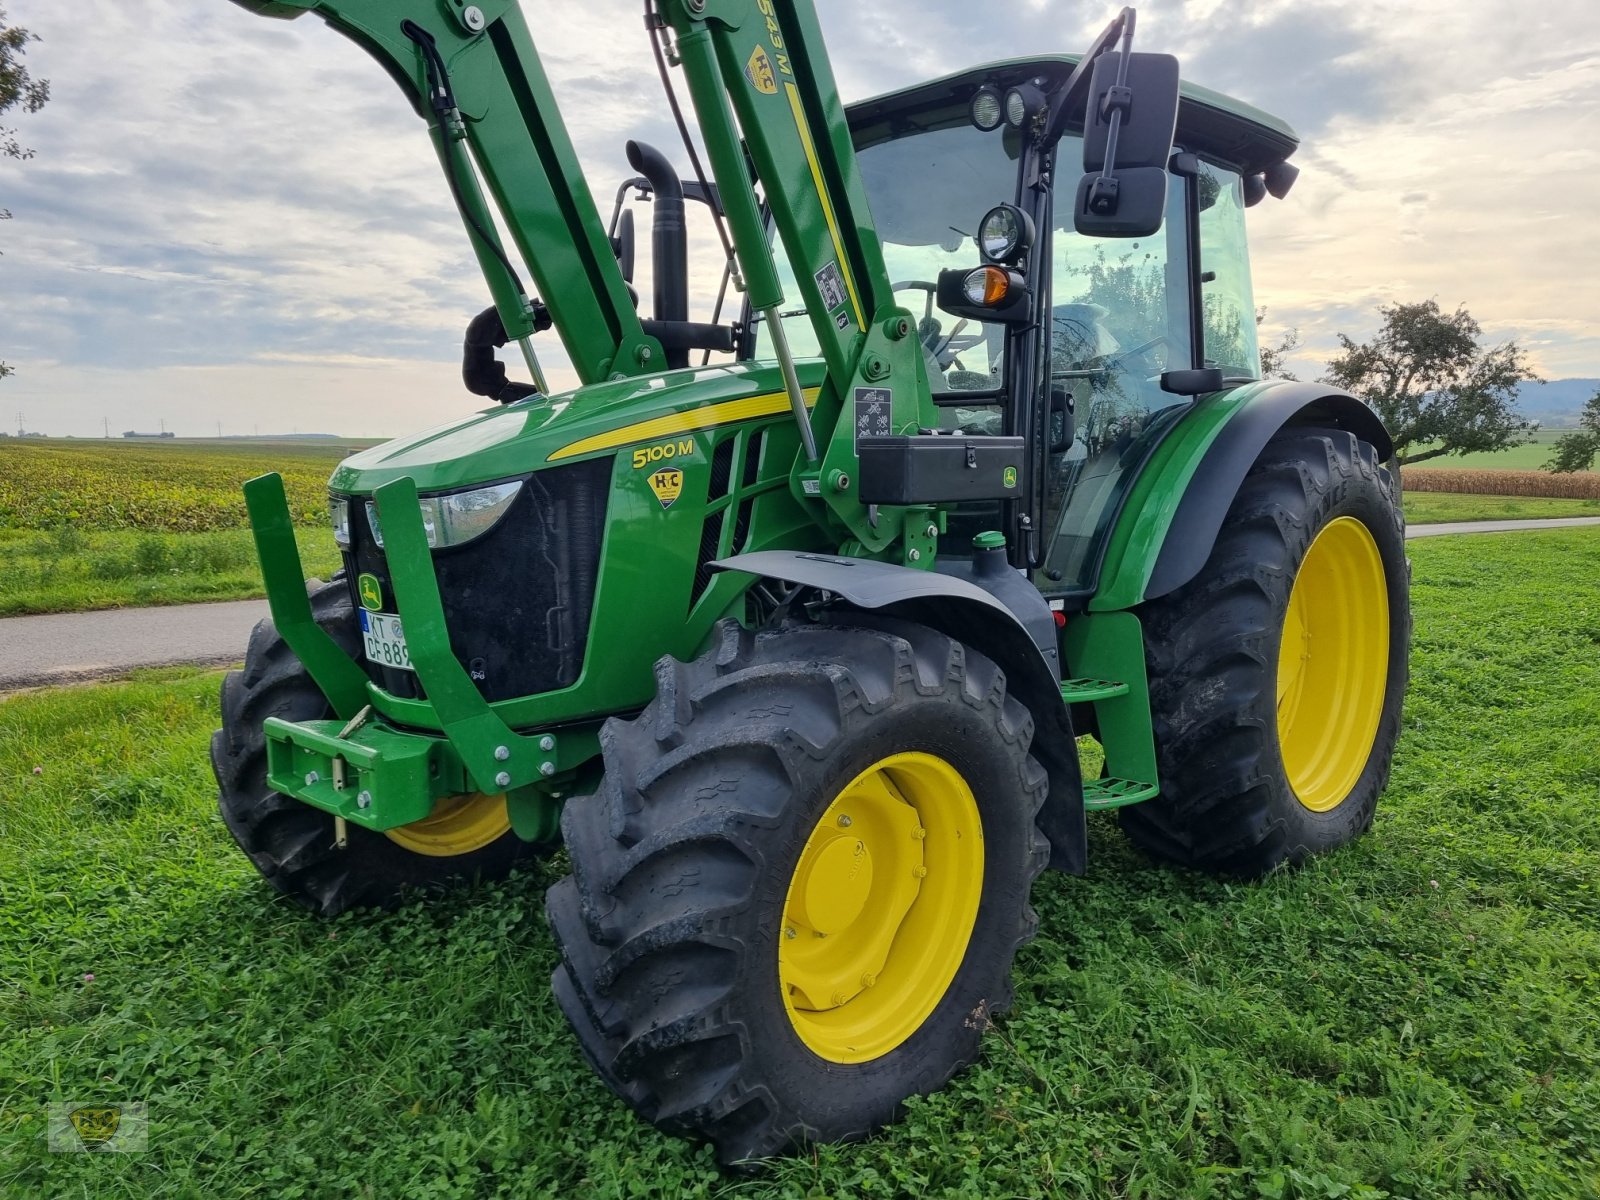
(1166, 530)
(969, 614)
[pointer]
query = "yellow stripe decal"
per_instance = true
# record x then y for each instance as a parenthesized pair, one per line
(822, 194)
(691, 420)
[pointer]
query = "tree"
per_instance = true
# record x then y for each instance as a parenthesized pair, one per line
(1576, 451)
(1436, 386)
(1275, 359)
(18, 89)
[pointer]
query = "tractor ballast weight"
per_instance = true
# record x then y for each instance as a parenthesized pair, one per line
(793, 651)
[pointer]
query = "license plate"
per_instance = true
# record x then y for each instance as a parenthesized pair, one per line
(385, 641)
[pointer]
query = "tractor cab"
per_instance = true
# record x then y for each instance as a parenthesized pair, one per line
(1123, 313)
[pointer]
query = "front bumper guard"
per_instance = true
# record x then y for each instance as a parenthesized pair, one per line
(401, 774)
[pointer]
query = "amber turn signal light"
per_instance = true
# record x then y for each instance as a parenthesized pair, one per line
(988, 286)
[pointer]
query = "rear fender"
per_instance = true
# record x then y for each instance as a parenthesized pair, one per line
(968, 614)
(1165, 532)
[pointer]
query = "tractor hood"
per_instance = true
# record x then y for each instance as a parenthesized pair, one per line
(587, 422)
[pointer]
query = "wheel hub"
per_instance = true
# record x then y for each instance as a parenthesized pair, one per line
(1333, 664)
(457, 825)
(880, 907)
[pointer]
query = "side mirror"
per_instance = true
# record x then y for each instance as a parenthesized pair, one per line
(1127, 139)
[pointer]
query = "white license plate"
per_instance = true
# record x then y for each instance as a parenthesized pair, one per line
(385, 641)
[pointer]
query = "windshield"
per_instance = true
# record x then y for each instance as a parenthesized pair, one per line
(1119, 308)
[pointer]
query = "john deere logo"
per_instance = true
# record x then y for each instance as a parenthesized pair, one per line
(96, 1125)
(371, 592)
(667, 484)
(759, 72)
(1009, 477)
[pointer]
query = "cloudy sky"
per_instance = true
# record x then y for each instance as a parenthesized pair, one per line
(239, 221)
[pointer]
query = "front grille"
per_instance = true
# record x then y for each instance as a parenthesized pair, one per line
(518, 599)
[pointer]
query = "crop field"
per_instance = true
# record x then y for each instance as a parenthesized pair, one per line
(177, 487)
(1415, 1016)
(92, 524)
(1577, 485)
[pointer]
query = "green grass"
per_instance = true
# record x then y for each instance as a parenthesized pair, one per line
(1415, 1016)
(1429, 507)
(66, 570)
(1530, 456)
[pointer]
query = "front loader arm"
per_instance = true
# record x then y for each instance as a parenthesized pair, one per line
(505, 113)
(763, 63)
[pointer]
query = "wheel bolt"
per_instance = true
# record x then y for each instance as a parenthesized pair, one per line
(868, 979)
(919, 833)
(845, 822)
(920, 872)
(839, 998)
(788, 931)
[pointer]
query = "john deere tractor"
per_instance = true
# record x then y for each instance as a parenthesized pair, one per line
(787, 623)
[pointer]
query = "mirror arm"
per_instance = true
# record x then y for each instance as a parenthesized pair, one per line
(1067, 97)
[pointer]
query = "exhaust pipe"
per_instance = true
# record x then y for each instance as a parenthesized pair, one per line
(669, 242)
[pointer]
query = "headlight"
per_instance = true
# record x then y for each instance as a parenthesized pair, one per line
(1016, 107)
(1005, 234)
(339, 509)
(459, 517)
(986, 109)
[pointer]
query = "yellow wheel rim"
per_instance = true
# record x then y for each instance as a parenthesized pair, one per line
(1333, 664)
(881, 907)
(457, 825)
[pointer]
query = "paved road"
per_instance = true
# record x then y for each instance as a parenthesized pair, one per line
(68, 647)
(1417, 531)
(78, 646)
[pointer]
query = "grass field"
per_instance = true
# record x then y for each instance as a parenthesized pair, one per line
(1424, 508)
(1415, 1016)
(1529, 457)
(67, 571)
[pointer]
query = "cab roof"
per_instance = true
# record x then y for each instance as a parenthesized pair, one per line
(1209, 123)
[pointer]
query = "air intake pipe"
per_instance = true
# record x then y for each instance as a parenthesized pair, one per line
(669, 243)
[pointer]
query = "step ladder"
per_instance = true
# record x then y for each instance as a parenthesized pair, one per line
(1111, 645)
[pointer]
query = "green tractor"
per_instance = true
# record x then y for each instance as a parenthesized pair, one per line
(792, 650)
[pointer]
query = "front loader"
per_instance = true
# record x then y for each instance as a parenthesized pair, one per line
(792, 648)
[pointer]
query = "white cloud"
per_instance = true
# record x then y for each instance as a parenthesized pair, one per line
(231, 216)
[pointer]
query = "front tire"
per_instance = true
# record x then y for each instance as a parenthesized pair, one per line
(1277, 674)
(796, 898)
(293, 844)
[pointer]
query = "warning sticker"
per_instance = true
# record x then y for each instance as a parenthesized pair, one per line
(873, 409)
(667, 484)
(831, 284)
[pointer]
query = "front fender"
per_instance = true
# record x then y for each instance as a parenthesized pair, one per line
(1170, 522)
(966, 613)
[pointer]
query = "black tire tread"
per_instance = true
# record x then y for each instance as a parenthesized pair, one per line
(290, 843)
(685, 784)
(1211, 656)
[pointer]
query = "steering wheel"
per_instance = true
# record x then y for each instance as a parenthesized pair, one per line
(918, 285)
(1115, 362)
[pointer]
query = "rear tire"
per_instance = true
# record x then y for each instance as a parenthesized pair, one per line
(677, 926)
(1228, 802)
(290, 843)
